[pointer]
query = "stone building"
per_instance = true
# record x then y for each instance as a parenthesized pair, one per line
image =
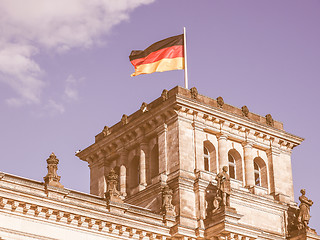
(184, 166)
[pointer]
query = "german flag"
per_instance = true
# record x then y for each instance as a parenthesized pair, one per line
(161, 56)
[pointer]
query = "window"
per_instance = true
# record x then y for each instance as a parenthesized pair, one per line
(209, 157)
(232, 166)
(257, 178)
(206, 158)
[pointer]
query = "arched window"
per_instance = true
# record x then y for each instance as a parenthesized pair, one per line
(209, 157)
(257, 178)
(235, 164)
(260, 172)
(206, 158)
(232, 166)
(155, 161)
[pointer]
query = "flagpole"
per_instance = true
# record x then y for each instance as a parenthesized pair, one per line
(185, 58)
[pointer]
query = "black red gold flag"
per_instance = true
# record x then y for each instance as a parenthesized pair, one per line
(165, 55)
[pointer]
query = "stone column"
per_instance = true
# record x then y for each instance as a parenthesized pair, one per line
(248, 164)
(123, 180)
(143, 178)
(222, 150)
(198, 144)
(162, 144)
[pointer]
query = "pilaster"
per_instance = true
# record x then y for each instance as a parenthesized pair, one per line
(248, 164)
(163, 151)
(143, 175)
(222, 150)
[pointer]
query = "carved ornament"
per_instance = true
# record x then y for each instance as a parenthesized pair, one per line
(144, 107)
(52, 178)
(245, 111)
(194, 92)
(164, 94)
(106, 131)
(124, 119)
(220, 102)
(269, 120)
(167, 208)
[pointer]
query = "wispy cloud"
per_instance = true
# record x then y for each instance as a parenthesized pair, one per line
(27, 27)
(52, 108)
(71, 88)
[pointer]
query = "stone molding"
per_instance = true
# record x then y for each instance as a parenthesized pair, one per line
(44, 213)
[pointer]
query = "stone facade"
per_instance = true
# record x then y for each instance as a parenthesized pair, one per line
(154, 175)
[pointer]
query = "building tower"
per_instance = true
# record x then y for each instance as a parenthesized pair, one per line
(177, 146)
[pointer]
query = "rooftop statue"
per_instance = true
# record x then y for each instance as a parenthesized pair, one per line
(304, 211)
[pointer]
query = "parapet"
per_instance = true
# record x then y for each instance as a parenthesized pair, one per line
(192, 95)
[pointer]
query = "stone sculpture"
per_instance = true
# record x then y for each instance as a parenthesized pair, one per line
(269, 120)
(52, 178)
(245, 111)
(194, 92)
(224, 187)
(112, 193)
(167, 207)
(304, 211)
(164, 94)
(105, 131)
(220, 102)
(124, 119)
(144, 107)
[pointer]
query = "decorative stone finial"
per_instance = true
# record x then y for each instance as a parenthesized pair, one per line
(164, 95)
(220, 102)
(112, 194)
(269, 120)
(245, 111)
(124, 119)
(52, 178)
(106, 131)
(144, 107)
(194, 92)
(304, 211)
(167, 208)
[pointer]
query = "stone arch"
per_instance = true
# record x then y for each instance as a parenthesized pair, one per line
(209, 157)
(263, 174)
(234, 155)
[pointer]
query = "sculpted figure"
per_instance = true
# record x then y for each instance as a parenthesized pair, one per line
(167, 206)
(112, 194)
(224, 187)
(304, 211)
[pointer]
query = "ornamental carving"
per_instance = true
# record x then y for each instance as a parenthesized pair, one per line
(269, 120)
(220, 102)
(52, 178)
(164, 95)
(245, 111)
(105, 131)
(194, 92)
(112, 194)
(167, 207)
(144, 107)
(124, 119)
